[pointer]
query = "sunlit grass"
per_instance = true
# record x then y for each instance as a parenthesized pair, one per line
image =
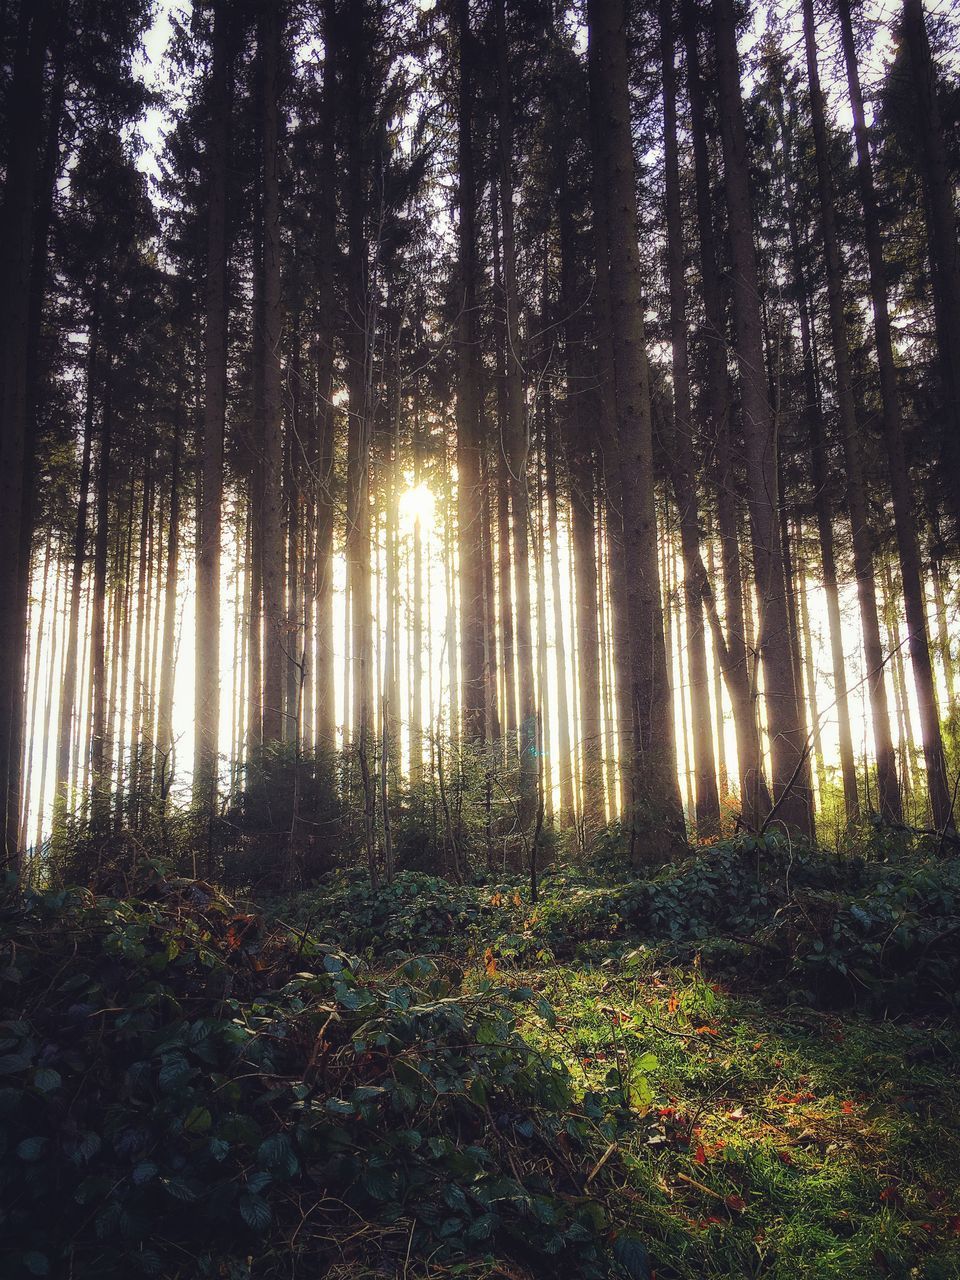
(776, 1142)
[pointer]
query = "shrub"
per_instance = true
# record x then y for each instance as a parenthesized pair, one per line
(183, 1087)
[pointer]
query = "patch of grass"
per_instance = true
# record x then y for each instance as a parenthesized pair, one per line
(770, 1141)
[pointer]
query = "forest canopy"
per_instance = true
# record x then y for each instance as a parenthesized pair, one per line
(535, 415)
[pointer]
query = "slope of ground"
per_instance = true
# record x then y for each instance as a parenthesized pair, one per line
(695, 1076)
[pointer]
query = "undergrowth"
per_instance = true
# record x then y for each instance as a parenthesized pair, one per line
(743, 1066)
(882, 935)
(187, 1093)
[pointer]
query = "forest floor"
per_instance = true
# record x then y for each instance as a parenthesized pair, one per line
(773, 1140)
(745, 1066)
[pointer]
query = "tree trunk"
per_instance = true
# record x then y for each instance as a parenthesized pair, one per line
(619, 632)
(941, 216)
(469, 487)
(25, 119)
(813, 415)
(863, 539)
(787, 746)
(207, 686)
(568, 812)
(67, 733)
(900, 488)
(52, 673)
(274, 652)
(100, 782)
(325, 701)
(504, 556)
(517, 432)
(577, 418)
(164, 766)
(683, 455)
(731, 649)
(657, 815)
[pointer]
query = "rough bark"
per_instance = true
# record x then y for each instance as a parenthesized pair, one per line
(207, 686)
(900, 488)
(730, 639)
(787, 747)
(517, 432)
(274, 652)
(939, 186)
(683, 455)
(888, 787)
(657, 816)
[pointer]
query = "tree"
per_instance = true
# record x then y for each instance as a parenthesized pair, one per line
(211, 445)
(900, 490)
(863, 535)
(787, 747)
(656, 810)
(682, 452)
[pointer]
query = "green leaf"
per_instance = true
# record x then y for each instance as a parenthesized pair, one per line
(255, 1212)
(10, 1063)
(276, 1153)
(173, 1072)
(46, 1079)
(379, 1182)
(86, 1148)
(339, 1107)
(198, 1121)
(483, 1227)
(31, 1149)
(630, 1252)
(38, 1264)
(367, 1093)
(145, 1171)
(349, 997)
(150, 1262)
(180, 1190)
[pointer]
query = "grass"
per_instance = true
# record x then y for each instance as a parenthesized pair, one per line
(770, 1141)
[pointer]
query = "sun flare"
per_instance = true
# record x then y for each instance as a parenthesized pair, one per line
(417, 504)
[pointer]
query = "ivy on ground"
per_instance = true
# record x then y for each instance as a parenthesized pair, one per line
(183, 1091)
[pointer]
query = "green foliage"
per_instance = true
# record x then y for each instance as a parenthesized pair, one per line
(884, 934)
(181, 1083)
(418, 912)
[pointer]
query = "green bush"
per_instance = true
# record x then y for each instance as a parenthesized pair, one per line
(183, 1089)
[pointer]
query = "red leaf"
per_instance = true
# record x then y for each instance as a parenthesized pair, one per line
(735, 1203)
(700, 1156)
